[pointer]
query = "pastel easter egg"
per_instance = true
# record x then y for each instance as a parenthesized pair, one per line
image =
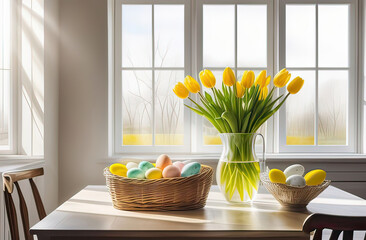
(145, 165)
(136, 173)
(277, 176)
(118, 169)
(295, 169)
(191, 169)
(163, 161)
(153, 173)
(171, 172)
(296, 181)
(315, 177)
(179, 164)
(130, 165)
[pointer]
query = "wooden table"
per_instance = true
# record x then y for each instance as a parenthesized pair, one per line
(90, 215)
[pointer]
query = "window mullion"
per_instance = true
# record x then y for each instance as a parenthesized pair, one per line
(316, 79)
(236, 39)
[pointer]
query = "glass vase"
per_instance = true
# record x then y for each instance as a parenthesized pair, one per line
(239, 168)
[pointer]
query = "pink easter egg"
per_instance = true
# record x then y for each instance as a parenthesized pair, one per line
(179, 164)
(171, 171)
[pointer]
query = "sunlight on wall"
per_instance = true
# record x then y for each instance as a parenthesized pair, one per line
(32, 76)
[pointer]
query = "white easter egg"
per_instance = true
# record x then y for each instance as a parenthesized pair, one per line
(296, 181)
(130, 165)
(295, 169)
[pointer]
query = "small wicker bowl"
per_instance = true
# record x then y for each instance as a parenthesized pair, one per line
(182, 193)
(293, 197)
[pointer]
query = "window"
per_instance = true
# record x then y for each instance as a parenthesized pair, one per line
(230, 37)
(6, 76)
(158, 42)
(322, 116)
(154, 56)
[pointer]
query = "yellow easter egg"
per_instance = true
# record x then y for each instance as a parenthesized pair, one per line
(118, 169)
(315, 177)
(154, 164)
(153, 173)
(277, 176)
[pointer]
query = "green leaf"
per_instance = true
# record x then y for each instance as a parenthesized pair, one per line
(231, 119)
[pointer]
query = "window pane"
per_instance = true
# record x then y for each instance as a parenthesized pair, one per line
(137, 107)
(169, 109)
(169, 35)
(300, 110)
(333, 102)
(252, 36)
(300, 35)
(136, 36)
(4, 107)
(333, 35)
(218, 35)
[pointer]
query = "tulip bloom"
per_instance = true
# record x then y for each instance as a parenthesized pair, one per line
(180, 90)
(207, 78)
(228, 77)
(248, 79)
(295, 85)
(239, 90)
(281, 78)
(262, 79)
(191, 84)
(264, 93)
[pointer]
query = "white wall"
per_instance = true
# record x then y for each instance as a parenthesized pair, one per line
(51, 76)
(83, 113)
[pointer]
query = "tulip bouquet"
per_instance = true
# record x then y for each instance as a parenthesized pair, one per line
(238, 107)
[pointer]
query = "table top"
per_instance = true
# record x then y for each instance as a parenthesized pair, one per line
(90, 212)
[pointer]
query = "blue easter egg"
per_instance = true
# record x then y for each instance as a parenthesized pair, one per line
(145, 165)
(191, 169)
(136, 173)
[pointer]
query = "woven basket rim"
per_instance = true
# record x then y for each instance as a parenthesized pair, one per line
(204, 169)
(265, 179)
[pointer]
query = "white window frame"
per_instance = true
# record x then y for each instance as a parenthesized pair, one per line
(353, 80)
(12, 148)
(118, 125)
(193, 54)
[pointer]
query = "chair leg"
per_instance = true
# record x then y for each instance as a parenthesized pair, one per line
(318, 234)
(347, 235)
(335, 235)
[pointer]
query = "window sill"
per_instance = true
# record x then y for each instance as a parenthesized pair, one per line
(271, 157)
(23, 158)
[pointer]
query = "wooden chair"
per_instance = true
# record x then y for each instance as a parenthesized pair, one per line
(9, 180)
(338, 224)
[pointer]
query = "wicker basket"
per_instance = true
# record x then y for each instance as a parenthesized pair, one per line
(181, 193)
(293, 197)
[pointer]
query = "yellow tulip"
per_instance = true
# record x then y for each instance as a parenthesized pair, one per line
(207, 78)
(239, 90)
(180, 90)
(295, 85)
(262, 79)
(264, 93)
(191, 84)
(228, 77)
(281, 78)
(248, 79)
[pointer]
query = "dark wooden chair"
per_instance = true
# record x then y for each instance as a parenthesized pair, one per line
(9, 180)
(338, 224)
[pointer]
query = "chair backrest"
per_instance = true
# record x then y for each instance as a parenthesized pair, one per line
(338, 224)
(9, 180)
